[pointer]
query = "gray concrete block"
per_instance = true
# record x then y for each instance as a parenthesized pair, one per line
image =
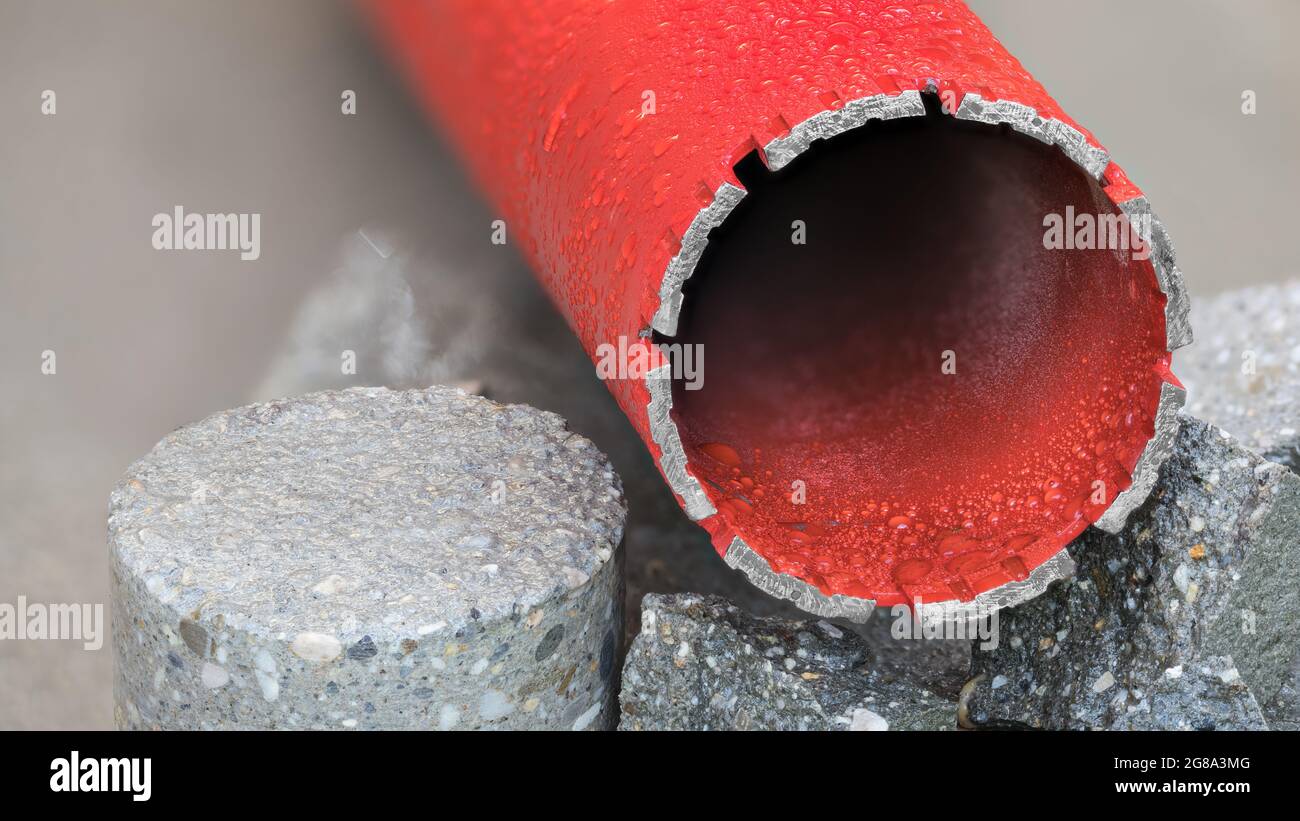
(701, 663)
(1243, 374)
(368, 559)
(1185, 619)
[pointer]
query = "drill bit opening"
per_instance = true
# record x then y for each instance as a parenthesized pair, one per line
(914, 388)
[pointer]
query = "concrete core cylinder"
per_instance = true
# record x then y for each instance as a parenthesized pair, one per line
(368, 559)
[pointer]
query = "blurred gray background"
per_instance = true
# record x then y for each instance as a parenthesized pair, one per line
(233, 105)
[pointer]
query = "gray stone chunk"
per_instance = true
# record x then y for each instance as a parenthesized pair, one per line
(1244, 375)
(1183, 620)
(701, 663)
(1283, 712)
(372, 559)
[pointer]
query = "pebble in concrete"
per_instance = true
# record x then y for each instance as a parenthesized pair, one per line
(368, 559)
(1184, 620)
(701, 663)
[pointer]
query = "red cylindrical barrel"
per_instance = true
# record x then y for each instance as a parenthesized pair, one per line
(931, 364)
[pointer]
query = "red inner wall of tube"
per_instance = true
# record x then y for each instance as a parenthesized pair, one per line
(824, 362)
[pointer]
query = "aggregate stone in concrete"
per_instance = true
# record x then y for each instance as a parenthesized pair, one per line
(368, 559)
(701, 663)
(1243, 371)
(1184, 620)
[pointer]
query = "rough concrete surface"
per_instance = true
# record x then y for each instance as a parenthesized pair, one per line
(1244, 375)
(1243, 372)
(372, 559)
(701, 663)
(1186, 619)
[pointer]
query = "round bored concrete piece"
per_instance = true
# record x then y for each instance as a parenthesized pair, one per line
(367, 559)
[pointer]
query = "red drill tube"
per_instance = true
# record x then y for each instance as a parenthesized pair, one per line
(916, 400)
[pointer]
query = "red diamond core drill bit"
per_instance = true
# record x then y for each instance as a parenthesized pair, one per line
(937, 318)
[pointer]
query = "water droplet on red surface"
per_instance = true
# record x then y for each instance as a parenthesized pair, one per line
(1014, 567)
(1017, 543)
(737, 506)
(725, 454)
(968, 562)
(911, 571)
(956, 543)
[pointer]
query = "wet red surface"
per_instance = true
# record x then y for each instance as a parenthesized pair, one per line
(923, 399)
